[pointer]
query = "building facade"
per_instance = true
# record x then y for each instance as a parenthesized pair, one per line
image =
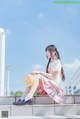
(73, 88)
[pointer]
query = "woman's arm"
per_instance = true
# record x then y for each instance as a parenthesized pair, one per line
(48, 75)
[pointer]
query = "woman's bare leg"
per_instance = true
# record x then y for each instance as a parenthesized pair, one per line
(33, 88)
(29, 92)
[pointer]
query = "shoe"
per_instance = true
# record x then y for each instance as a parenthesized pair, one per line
(23, 102)
(16, 103)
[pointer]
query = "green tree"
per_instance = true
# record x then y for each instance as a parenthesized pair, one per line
(18, 93)
(36, 93)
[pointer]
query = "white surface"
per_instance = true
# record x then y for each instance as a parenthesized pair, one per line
(2, 60)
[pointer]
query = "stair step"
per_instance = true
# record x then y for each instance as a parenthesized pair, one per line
(47, 117)
(41, 110)
(69, 99)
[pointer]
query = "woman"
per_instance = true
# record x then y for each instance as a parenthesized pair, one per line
(51, 81)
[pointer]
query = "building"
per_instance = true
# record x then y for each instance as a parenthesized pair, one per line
(73, 88)
(2, 60)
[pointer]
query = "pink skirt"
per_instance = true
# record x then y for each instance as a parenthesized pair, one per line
(50, 88)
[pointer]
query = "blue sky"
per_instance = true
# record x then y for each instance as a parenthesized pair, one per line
(30, 26)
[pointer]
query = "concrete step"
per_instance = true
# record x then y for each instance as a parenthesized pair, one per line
(47, 117)
(43, 107)
(69, 99)
(40, 110)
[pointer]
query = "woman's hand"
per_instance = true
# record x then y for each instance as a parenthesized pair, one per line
(36, 72)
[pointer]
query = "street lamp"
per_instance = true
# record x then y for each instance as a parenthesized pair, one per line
(8, 79)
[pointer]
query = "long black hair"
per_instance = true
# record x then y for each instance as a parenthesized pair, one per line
(52, 48)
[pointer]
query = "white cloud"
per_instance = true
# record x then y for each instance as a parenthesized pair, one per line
(73, 64)
(8, 31)
(37, 67)
(41, 15)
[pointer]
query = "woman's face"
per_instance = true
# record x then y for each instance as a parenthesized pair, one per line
(48, 55)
